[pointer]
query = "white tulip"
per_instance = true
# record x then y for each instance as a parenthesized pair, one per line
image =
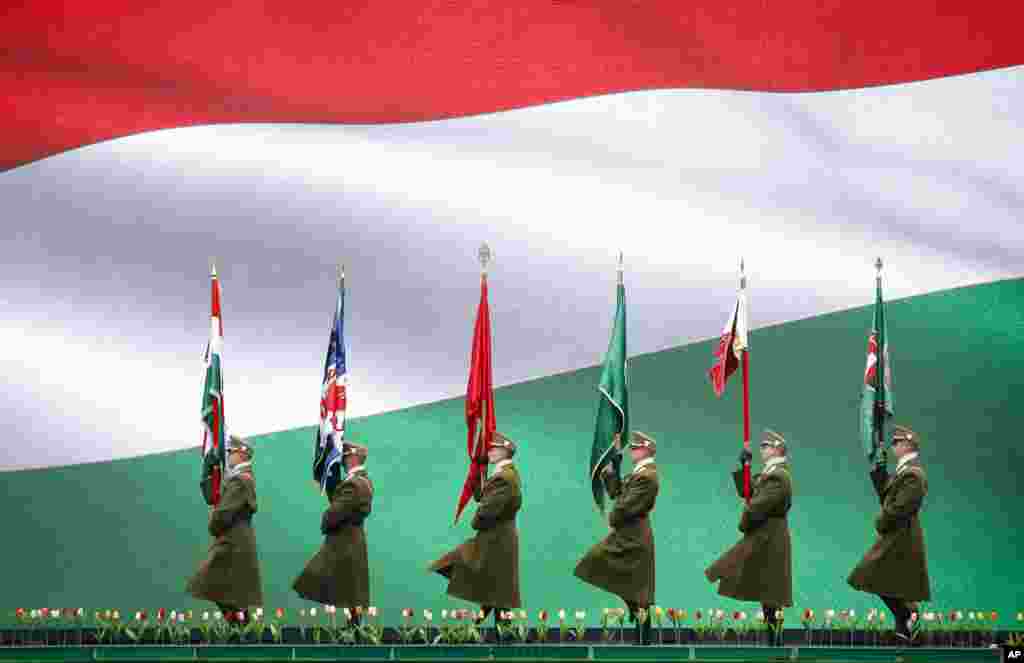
(174, 615)
(259, 612)
(581, 615)
(428, 615)
(444, 613)
(206, 616)
(218, 615)
(561, 615)
(35, 614)
(373, 611)
(181, 618)
(80, 612)
(347, 613)
(853, 613)
(312, 612)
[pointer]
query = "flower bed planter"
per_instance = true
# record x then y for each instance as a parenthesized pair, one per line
(46, 654)
(430, 652)
(541, 652)
(144, 653)
(341, 652)
(253, 653)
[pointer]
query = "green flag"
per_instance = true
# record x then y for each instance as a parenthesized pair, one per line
(212, 412)
(613, 403)
(876, 396)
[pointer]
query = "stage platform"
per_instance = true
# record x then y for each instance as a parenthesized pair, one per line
(548, 652)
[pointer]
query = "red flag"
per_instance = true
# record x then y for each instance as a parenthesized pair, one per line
(480, 423)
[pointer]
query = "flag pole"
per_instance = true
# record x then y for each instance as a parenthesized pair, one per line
(746, 398)
(486, 256)
(880, 373)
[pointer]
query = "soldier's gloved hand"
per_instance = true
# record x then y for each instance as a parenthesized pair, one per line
(329, 522)
(745, 457)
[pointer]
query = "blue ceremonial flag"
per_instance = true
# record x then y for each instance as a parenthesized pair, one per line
(329, 437)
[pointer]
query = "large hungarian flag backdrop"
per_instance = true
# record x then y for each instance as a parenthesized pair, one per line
(807, 137)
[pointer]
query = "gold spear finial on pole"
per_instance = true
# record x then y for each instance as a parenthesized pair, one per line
(878, 269)
(743, 274)
(341, 274)
(621, 268)
(486, 256)
(213, 267)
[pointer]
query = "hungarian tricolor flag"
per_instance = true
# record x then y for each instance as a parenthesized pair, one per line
(480, 422)
(733, 350)
(213, 402)
(876, 395)
(613, 402)
(329, 436)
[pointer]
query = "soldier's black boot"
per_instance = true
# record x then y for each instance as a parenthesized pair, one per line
(645, 631)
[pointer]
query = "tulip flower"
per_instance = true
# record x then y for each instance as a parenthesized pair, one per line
(279, 613)
(561, 615)
(581, 615)
(347, 613)
(372, 611)
(407, 613)
(428, 615)
(312, 612)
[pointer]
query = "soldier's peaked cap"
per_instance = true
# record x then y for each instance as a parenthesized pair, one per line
(640, 440)
(504, 442)
(238, 443)
(350, 448)
(903, 433)
(773, 438)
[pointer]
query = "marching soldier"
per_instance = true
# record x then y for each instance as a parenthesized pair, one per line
(485, 569)
(759, 566)
(339, 573)
(623, 562)
(230, 575)
(896, 566)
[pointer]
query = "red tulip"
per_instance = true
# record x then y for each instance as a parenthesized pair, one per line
(21, 613)
(995, 616)
(45, 612)
(161, 614)
(279, 613)
(698, 615)
(736, 614)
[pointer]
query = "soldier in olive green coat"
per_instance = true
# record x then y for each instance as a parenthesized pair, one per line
(896, 566)
(230, 575)
(623, 562)
(760, 566)
(339, 573)
(485, 569)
